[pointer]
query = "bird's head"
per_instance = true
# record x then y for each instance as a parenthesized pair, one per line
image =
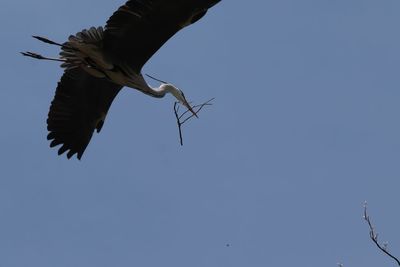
(179, 95)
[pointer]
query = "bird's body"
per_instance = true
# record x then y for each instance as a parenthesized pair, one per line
(84, 50)
(99, 62)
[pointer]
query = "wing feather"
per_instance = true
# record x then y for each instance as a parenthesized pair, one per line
(79, 107)
(140, 27)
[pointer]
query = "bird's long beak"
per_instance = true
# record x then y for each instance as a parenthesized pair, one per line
(187, 105)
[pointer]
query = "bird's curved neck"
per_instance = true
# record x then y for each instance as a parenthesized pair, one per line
(158, 92)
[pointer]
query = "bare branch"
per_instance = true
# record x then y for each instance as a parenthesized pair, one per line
(207, 103)
(180, 119)
(176, 109)
(374, 236)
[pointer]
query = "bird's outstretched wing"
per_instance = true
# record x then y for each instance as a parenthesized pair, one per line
(79, 107)
(140, 27)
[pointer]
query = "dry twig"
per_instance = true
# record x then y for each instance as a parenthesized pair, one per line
(181, 119)
(374, 236)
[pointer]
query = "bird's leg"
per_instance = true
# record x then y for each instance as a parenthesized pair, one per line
(45, 40)
(37, 56)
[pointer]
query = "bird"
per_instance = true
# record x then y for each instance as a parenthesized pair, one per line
(98, 62)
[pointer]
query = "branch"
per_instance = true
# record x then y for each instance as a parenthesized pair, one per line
(180, 119)
(374, 236)
(176, 109)
(207, 103)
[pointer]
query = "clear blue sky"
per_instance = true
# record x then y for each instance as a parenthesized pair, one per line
(304, 129)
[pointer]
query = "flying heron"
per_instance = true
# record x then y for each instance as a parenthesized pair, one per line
(99, 62)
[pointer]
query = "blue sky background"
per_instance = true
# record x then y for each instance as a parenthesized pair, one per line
(304, 129)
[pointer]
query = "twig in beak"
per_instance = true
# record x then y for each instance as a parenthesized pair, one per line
(191, 110)
(176, 108)
(200, 106)
(187, 105)
(180, 120)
